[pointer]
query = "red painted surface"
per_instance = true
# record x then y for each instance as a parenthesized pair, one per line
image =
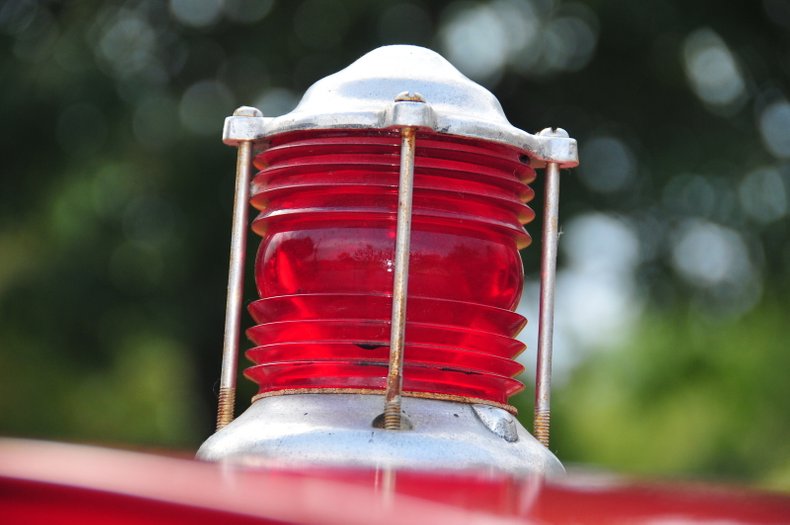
(45, 483)
(324, 270)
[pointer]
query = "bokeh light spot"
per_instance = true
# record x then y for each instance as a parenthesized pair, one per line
(127, 45)
(599, 242)
(706, 254)
(775, 128)
(276, 101)
(247, 11)
(570, 43)
(690, 195)
(713, 71)
(196, 13)
(17, 15)
(763, 195)
(474, 40)
(608, 164)
(597, 300)
(205, 104)
(37, 41)
(533, 37)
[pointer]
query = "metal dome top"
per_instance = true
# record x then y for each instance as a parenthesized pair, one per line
(358, 93)
(369, 94)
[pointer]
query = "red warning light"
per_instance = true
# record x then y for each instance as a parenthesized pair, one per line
(328, 202)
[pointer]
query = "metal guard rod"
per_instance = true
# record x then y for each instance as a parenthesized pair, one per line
(392, 406)
(548, 273)
(233, 307)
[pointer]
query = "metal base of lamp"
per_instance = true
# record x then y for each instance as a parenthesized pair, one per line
(338, 430)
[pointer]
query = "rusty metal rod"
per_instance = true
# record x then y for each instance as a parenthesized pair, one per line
(548, 273)
(233, 307)
(392, 406)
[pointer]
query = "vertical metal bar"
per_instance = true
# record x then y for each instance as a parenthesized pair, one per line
(548, 272)
(233, 307)
(392, 407)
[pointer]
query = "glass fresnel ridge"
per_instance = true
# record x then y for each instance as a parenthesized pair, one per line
(391, 207)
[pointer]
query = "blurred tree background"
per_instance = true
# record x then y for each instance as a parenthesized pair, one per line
(674, 285)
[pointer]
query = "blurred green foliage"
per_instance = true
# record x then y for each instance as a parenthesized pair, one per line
(115, 196)
(689, 396)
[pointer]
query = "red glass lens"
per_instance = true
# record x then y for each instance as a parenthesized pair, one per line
(368, 306)
(376, 333)
(324, 269)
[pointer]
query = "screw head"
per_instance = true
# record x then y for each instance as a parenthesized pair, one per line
(409, 96)
(247, 111)
(554, 132)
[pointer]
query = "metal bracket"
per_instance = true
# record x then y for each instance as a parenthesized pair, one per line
(554, 145)
(409, 110)
(247, 124)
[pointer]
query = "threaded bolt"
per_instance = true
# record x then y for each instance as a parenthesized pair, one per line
(227, 402)
(392, 416)
(542, 425)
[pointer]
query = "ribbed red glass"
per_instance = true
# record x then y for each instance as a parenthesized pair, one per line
(324, 269)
